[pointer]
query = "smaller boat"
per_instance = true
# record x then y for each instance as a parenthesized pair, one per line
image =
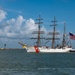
(72, 50)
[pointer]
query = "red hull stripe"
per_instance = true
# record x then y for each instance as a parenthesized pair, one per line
(36, 49)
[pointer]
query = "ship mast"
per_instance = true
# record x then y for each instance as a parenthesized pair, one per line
(39, 32)
(39, 23)
(54, 24)
(64, 35)
(53, 33)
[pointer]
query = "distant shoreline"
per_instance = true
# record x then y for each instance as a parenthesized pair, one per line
(11, 49)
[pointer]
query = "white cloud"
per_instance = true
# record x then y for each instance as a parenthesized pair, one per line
(30, 26)
(2, 15)
(16, 27)
(14, 11)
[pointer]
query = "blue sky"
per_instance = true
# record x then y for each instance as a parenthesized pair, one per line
(17, 18)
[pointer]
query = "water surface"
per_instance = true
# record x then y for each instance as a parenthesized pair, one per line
(18, 62)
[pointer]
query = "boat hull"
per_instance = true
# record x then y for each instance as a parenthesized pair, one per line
(47, 50)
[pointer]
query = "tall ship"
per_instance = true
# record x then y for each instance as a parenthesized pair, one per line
(53, 47)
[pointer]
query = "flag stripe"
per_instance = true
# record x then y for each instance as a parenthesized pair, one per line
(72, 36)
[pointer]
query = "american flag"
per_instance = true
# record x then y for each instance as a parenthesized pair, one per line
(72, 36)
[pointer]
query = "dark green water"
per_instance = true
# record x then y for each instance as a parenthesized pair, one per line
(18, 62)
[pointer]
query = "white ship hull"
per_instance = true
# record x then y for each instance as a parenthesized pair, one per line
(47, 50)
